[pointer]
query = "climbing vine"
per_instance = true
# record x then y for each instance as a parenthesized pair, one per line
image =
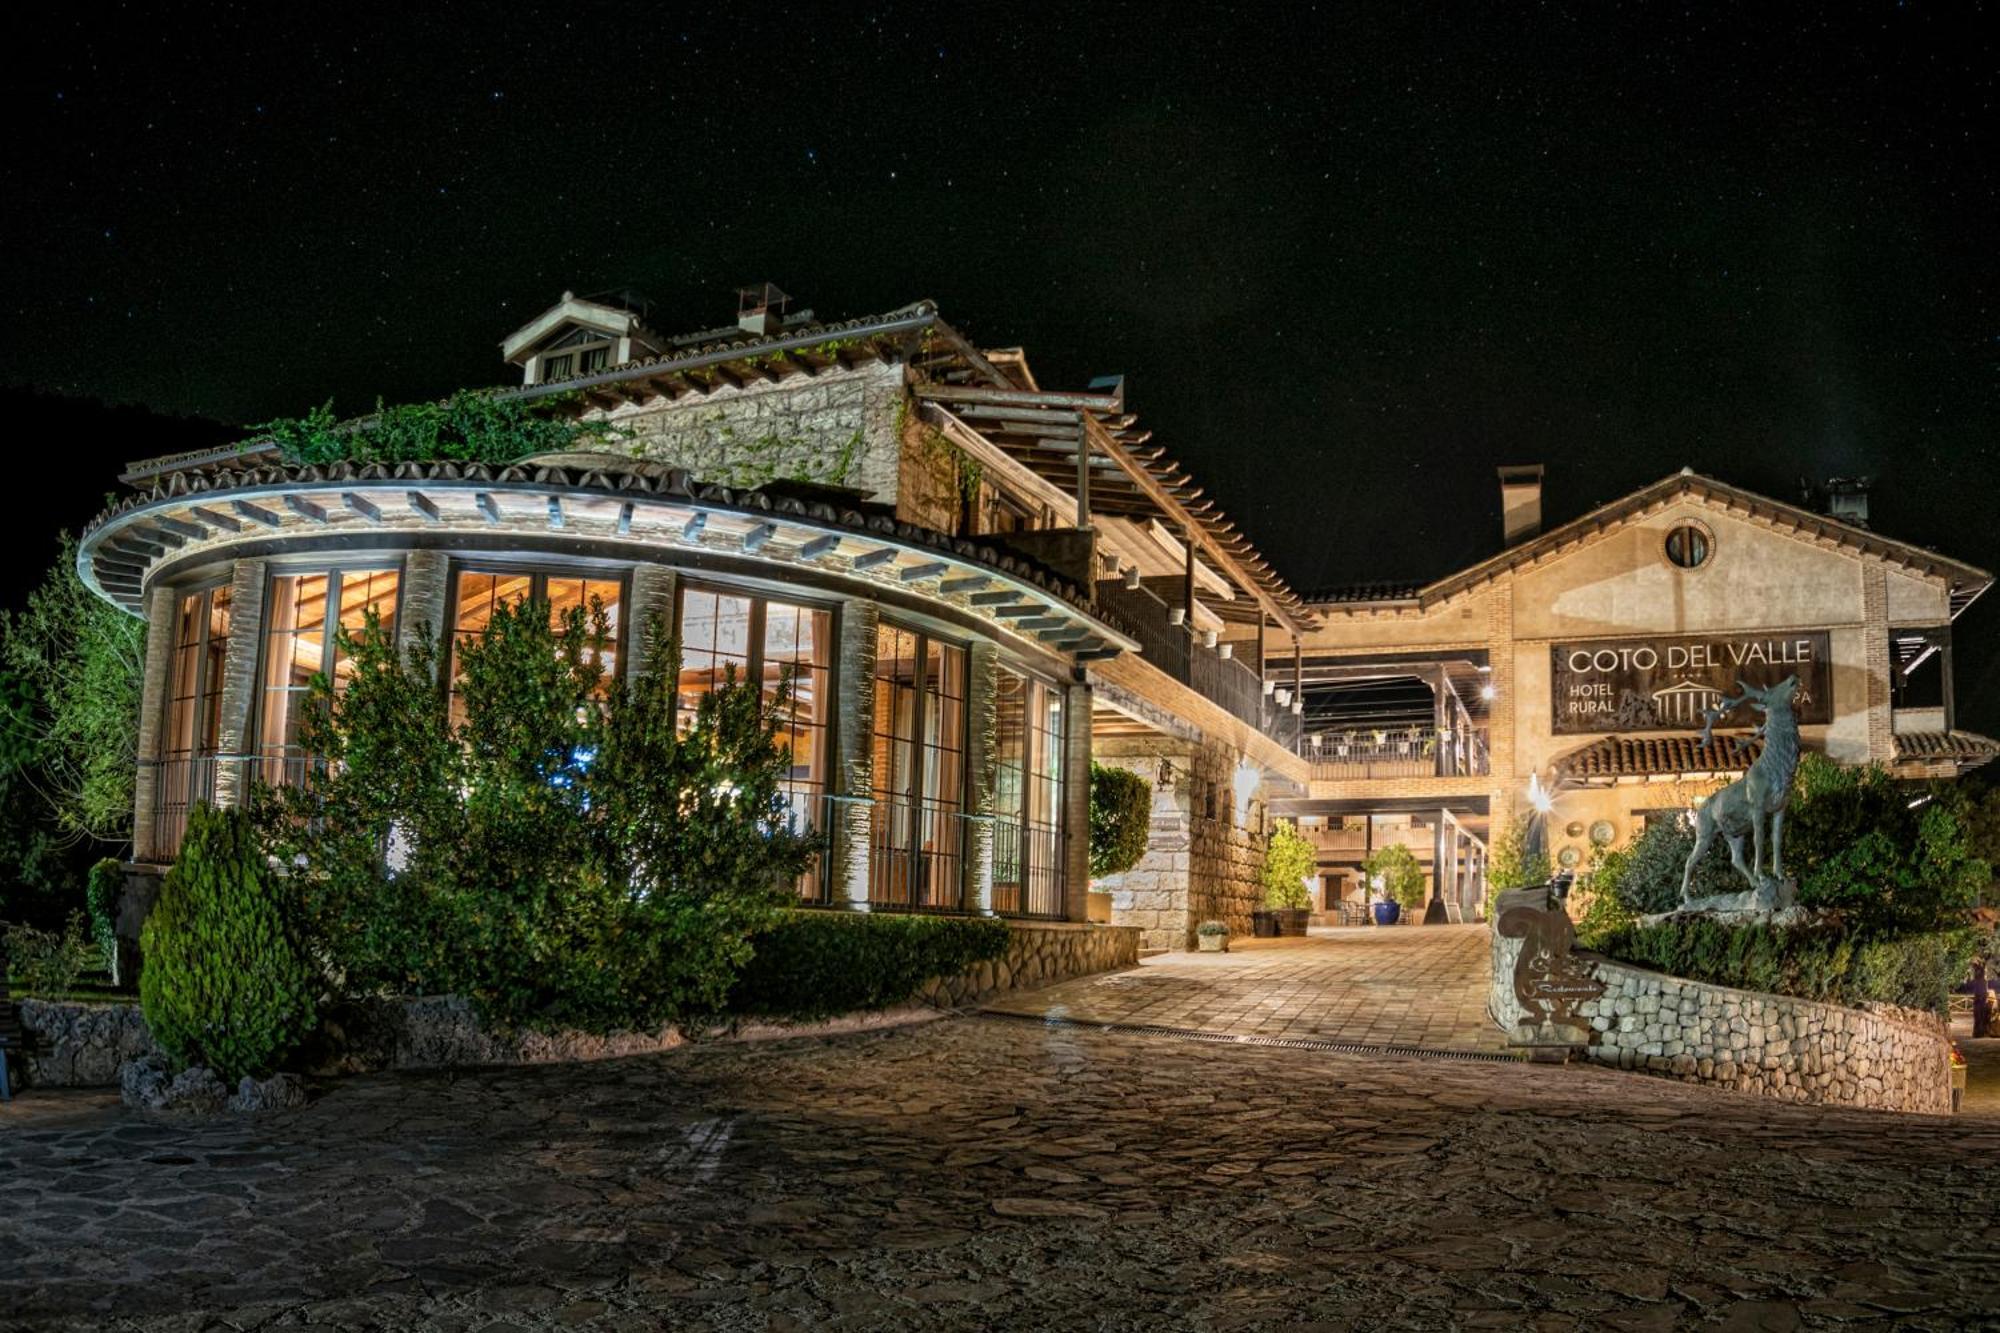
(470, 426)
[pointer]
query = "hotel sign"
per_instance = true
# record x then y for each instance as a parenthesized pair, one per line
(1664, 684)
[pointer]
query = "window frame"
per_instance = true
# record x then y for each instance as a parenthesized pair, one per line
(168, 698)
(921, 747)
(759, 598)
(258, 747)
(538, 575)
(1034, 769)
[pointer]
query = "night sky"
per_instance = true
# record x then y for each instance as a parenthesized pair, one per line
(1349, 260)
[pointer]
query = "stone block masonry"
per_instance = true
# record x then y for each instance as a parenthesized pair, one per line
(1204, 857)
(1772, 1045)
(1038, 954)
(837, 429)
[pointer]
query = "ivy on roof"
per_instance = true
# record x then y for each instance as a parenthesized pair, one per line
(473, 425)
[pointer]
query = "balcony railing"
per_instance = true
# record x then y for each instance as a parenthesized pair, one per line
(1027, 869)
(1221, 680)
(1408, 752)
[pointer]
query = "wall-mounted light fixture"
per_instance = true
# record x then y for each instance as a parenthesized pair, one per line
(1177, 615)
(1166, 778)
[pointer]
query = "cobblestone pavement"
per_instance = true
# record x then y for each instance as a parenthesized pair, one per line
(1414, 986)
(982, 1173)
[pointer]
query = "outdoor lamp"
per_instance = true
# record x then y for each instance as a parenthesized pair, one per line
(1177, 615)
(1228, 650)
(1132, 577)
(1208, 638)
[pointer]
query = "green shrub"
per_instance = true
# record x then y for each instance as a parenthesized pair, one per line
(47, 963)
(1892, 855)
(1121, 819)
(226, 982)
(472, 425)
(568, 854)
(813, 964)
(101, 892)
(1288, 860)
(1823, 960)
(1645, 877)
(1402, 878)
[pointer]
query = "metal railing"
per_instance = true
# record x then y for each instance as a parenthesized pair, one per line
(179, 784)
(1222, 680)
(1404, 752)
(1028, 863)
(916, 856)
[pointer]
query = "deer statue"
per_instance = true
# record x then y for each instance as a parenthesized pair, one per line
(1758, 797)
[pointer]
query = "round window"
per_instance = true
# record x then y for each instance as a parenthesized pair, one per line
(1688, 546)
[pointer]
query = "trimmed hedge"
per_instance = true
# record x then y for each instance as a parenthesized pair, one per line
(1121, 819)
(815, 964)
(1823, 961)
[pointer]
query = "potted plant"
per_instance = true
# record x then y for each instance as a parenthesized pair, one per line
(1212, 937)
(1393, 873)
(1289, 862)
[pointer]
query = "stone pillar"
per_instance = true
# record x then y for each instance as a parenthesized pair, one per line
(235, 728)
(425, 589)
(1507, 786)
(1875, 653)
(1076, 802)
(649, 617)
(851, 821)
(981, 761)
(161, 605)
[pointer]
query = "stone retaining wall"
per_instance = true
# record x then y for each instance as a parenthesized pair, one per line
(1773, 1045)
(83, 1045)
(1039, 954)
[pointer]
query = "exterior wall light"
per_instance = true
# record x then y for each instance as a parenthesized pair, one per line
(1487, 692)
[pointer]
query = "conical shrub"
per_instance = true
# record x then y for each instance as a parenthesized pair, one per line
(225, 981)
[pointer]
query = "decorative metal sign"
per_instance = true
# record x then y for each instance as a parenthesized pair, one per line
(1664, 684)
(1549, 980)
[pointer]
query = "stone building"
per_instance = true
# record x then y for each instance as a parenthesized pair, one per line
(1586, 656)
(979, 584)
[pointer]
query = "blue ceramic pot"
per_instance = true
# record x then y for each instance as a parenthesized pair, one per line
(1388, 914)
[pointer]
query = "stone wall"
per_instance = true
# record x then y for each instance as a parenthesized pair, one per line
(1773, 1045)
(1040, 953)
(1205, 856)
(837, 428)
(79, 1045)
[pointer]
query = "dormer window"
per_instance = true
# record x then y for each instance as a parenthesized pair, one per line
(576, 357)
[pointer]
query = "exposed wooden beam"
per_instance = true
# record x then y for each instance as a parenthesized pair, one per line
(555, 512)
(625, 519)
(754, 539)
(952, 587)
(820, 546)
(954, 393)
(870, 559)
(216, 520)
(305, 508)
(489, 508)
(692, 528)
(422, 506)
(256, 513)
(928, 570)
(181, 529)
(361, 506)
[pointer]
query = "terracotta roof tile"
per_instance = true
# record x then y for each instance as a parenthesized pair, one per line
(1655, 756)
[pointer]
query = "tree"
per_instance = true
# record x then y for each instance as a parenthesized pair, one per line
(1121, 819)
(1511, 867)
(1289, 861)
(1393, 871)
(77, 663)
(226, 982)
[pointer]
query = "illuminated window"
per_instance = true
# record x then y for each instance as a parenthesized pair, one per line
(919, 751)
(1027, 796)
(479, 593)
(1688, 546)
(299, 644)
(192, 733)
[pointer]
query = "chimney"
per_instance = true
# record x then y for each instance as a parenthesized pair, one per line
(1521, 502)
(1847, 499)
(761, 309)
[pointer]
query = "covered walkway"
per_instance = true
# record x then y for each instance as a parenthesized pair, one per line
(1407, 986)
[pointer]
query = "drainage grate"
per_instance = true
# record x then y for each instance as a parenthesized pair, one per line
(1237, 1039)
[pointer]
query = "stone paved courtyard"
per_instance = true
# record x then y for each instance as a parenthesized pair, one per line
(992, 1174)
(1409, 986)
